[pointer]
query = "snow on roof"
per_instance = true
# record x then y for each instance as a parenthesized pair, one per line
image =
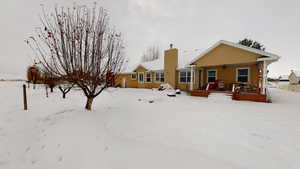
(296, 72)
(150, 65)
(284, 77)
(184, 57)
(270, 56)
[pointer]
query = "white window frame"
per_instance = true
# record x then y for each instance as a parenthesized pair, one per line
(135, 76)
(160, 77)
(146, 77)
(186, 71)
(208, 74)
(143, 77)
(236, 74)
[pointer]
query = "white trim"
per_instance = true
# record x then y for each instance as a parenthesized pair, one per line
(135, 76)
(264, 83)
(139, 77)
(123, 82)
(249, 74)
(271, 56)
(192, 77)
(207, 74)
(146, 77)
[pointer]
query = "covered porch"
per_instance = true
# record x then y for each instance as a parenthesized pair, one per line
(245, 81)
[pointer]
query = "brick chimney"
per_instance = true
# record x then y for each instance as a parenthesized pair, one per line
(170, 65)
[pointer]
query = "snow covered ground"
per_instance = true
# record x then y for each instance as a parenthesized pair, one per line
(10, 77)
(286, 86)
(125, 131)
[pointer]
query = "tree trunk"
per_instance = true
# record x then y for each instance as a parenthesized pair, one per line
(64, 95)
(89, 103)
(51, 89)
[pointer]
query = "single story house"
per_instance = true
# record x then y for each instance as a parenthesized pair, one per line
(226, 63)
(294, 77)
(283, 78)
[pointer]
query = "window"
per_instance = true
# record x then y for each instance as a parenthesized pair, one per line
(141, 77)
(243, 75)
(148, 77)
(211, 76)
(185, 76)
(159, 77)
(133, 76)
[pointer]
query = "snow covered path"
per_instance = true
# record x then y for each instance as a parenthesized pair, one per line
(126, 131)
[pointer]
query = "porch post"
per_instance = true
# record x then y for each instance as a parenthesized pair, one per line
(202, 78)
(264, 80)
(192, 78)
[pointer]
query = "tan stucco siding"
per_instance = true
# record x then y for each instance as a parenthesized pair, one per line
(226, 55)
(228, 74)
(130, 83)
(170, 65)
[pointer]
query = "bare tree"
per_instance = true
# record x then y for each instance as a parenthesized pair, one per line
(77, 45)
(65, 88)
(151, 53)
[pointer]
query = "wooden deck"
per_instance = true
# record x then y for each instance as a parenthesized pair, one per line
(256, 97)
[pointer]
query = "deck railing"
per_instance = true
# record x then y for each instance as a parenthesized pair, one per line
(233, 88)
(207, 87)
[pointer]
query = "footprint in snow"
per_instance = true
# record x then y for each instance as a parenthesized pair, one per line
(33, 162)
(58, 145)
(27, 149)
(43, 147)
(60, 159)
(2, 163)
(261, 136)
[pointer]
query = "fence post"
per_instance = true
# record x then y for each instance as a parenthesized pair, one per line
(47, 95)
(24, 97)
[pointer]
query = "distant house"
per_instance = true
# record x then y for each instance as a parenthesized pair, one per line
(294, 77)
(222, 66)
(283, 78)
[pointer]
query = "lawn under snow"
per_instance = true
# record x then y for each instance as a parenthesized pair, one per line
(125, 131)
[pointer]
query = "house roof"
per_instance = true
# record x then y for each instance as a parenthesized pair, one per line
(296, 72)
(266, 55)
(188, 57)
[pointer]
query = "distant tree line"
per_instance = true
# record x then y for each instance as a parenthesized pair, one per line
(151, 53)
(252, 44)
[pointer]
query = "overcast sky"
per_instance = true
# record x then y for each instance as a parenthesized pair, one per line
(188, 24)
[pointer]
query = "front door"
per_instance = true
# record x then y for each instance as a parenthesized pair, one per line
(201, 79)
